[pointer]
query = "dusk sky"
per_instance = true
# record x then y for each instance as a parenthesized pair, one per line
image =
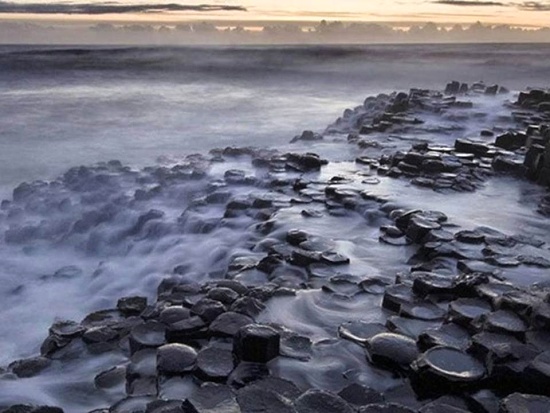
(521, 13)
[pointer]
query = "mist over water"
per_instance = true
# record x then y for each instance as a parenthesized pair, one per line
(81, 241)
(62, 107)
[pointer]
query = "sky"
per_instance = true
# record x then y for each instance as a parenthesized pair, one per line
(512, 12)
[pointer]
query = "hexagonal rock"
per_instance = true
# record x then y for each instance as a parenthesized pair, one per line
(464, 310)
(147, 335)
(214, 363)
(360, 331)
(528, 403)
(443, 369)
(254, 399)
(448, 335)
(537, 374)
(385, 408)
(505, 322)
(131, 305)
(320, 401)
(256, 343)
(228, 324)
(359, 395)
(176, 359)
(30, 367)
(212, 397)
(392, 349)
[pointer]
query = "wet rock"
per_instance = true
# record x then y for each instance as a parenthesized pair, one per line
(256, 343)
(504, 322)
(392, 349)
(445, 369)
(422, 311)
(147, 335)
(429, 283)
(141, 374)
(360, 331)
(464, 310)
(320, 401)
(165, 406)
(208, 309)
(537, 375)
(408, 326)
(99, 335)
(30, 367)
(113, 377)
(358, 395)
(214, 363)
(224, 295)
(66, 329)
(295, 346)
(486, 343)
(483, 401)
(187, 329)
(173, 314)
(228, 324)
(246, 373)
(249, 306)
(176, 359)
(447, 335)
(528, 403)
(385, 408)
(254, 399)
(211, 397)
(397, 295)
(131, 305)
(334, 258)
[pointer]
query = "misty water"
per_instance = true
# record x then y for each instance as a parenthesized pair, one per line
(151, 107)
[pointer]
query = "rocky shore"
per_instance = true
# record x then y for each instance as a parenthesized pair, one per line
(453, 330)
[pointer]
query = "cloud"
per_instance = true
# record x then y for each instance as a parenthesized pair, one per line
(469, 3)
(535, 6)
(107, 8)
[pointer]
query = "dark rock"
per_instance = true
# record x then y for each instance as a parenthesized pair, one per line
(246, 373)
(66, 329)
(184, 330)
(174, 314)
(359, 395)
(442, 370)
(215, 363)
(228, 324)
(147, 335)
(212, 397)
(528, 403)
(97, 335)
(447, 335)
(536, 376)
(428, 283)
(131, 305)
(486, 343)
(131, 404)
(422, 311)
(208, 309)
(30, 367)
(464, 310)
(392, 349)
(504, 322)
(141, 374)
(165, 406)
(397, 295)
(295, 346)
(255, 399)
(385, 408)
(113, 377)
(224, 295)
(360, 331)
(483, 401)
(320, 401)
(256, 343)
(176, 359)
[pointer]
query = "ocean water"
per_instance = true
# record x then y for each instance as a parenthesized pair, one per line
(62, 107)
(72, 243)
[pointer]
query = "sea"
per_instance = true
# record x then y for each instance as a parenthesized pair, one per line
(63, 107)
